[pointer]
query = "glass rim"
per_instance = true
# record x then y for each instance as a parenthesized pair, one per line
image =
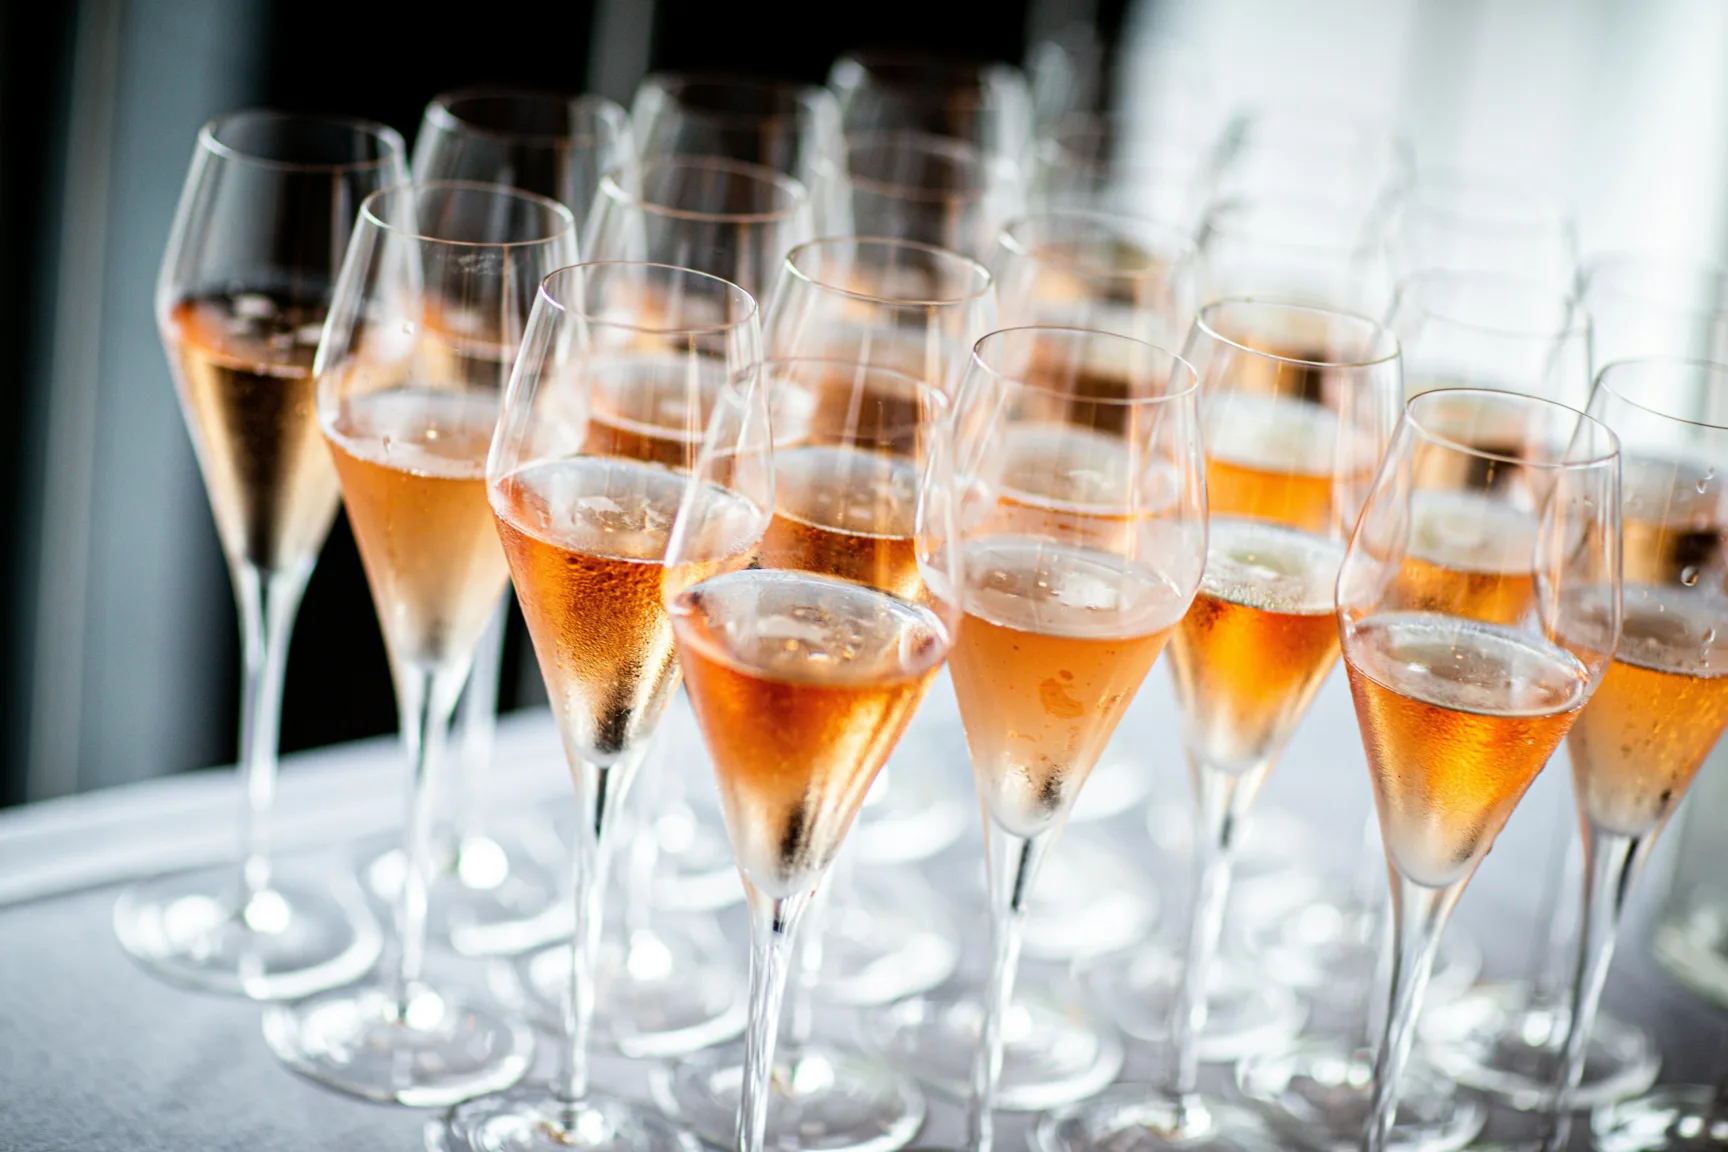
(1624, 367)
(439, 111)
(920, 386)
(943, 70)
(960, 153)
(726, 288)
(798, 196)
(979, 359)
(1352, 238)
(1577, 317)
(799, 96)
(498, 191)
(1411, 417)
(1009, 238)
(1438, 196)
(1203, 321)
(1627, 259)
(974, 269)
(209, 141)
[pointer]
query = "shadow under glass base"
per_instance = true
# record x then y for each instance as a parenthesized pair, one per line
(1054, 1051)
(672, 990)
(886, 934)
(828, 1100)
(438, 1052)
(1498, 1040)
(533, 1119)
(493, 895)
(1246, 1011)
(1677, 1117)
(1139, 1118)
(297, 938)
(1319, 1093)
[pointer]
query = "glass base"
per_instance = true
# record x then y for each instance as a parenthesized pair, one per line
(492, 897)
(886, 934)
(534, 1120)
(672, 991)
(1692, 944)
(1054, 1051)
(1319, 1094)
(1270, 842)
(830, 1100)
(440, 1051)
(298, 938)
(1497, 1040)
(1114, 787)
(1674, 1118)
(695, 871)
(1139, 1118)
(1246, 1011)
(1090, 900)
(910, 814)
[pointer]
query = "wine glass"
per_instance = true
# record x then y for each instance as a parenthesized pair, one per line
(261, 228)
(723, 217)
(917, 186)
(1460, 706)
(1116, 164)
(1296, 404)
(989, 106)
(850, 441)
(1648, 305)
(1301, 155)
(790, 128)
(585, 528)
(497, 895)
(1296, 248)
(1463, 222)
(424, 325)
(1663, 702)
(805, 668)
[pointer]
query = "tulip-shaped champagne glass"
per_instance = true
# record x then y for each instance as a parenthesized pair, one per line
(424, 326)
(1663, 703)
(258, 239)
(805, 668)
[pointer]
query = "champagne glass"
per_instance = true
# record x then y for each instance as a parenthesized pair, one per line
(497, 896)
(262, 224)
(1486, 330)
(790, 128)
(425, 323)
(1663, 703)
(1460, 222)
(1459, 707)
(918, 186)
(987, 105)
(723, 217)
(1648, 305)
(1297, 403)
(805, 668)
(585, 529)
(1296, 248)
(850, 443)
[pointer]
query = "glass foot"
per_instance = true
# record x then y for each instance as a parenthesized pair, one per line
(1246, 1011)
(909, 814)
(1673, 1118)
(695, 871)
(300, 937)
(534, 1120)
(436, 1053)
(494, 896)
(1115, 786)
(1319, 1093)
(829, 1100)
(1054, 1051)
(1497, 1039)
(1139, 1118)
(885, 935)
(671, 991)
(1090, 900)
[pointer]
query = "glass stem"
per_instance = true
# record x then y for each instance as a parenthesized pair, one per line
(642, 861)
(1419, 917)
(1611, 861)
(268, 604)
(1011, 864)
(426, 698)
(773, 930)
(477, 720)
(1557, 922)
(599, 791)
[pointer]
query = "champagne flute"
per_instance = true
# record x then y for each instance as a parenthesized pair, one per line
(918, 186)
(425, 323)
(989, 106)
(1084, 535)
(1297, 403)
(263, 221)
(1663, 703)
(805, 668)
(497, 895)
(790, 128)
(1459, 711)
(723, 217)
(585, 529)
(850, 441)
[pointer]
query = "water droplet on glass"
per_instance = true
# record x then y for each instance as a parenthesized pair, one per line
(1702, 485)
(1689, 576)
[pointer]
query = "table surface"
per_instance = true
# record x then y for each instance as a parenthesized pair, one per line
(98, 1055)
